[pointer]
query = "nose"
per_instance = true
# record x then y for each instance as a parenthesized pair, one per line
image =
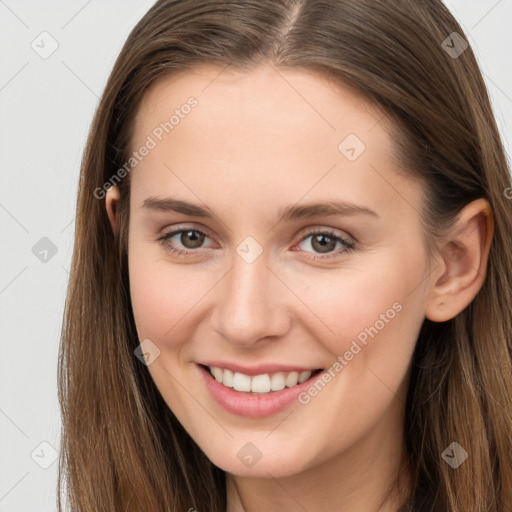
(251, 304)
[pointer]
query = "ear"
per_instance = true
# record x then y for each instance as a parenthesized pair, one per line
(463, 262)
(112, 205)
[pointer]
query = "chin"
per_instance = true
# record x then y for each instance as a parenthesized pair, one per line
(259, 460)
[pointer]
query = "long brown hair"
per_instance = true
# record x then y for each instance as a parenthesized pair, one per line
(122, 447)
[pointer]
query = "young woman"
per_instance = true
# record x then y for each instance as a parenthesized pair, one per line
(291, 284)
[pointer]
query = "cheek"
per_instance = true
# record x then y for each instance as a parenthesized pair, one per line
(374, 319)
(357, 307)
(163, 297)
(162, 294)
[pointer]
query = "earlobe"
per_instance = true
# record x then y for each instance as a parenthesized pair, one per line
(112, 205)
(464, 266)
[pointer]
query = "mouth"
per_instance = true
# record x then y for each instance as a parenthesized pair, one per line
(262, 384)
(257, 395)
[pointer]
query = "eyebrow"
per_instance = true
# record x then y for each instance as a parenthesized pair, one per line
(289, 213)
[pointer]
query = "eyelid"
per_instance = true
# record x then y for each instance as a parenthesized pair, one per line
(174, 230)
(311, 230)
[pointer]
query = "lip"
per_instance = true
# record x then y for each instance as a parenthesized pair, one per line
(253, 406)
(259, 369)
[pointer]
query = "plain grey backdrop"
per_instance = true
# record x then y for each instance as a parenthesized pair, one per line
(55, 57)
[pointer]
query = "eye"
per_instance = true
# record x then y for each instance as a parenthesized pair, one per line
(324, 242)
(189, 239)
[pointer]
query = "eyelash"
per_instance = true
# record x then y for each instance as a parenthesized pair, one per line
(349, 246)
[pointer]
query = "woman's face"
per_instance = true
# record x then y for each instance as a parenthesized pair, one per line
(302, 250)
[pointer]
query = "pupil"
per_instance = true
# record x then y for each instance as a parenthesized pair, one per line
(323, 243)
(194, 237)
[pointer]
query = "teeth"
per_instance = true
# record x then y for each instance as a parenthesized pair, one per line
(218, 373)
(264, 383)
(241, 382)
(260, 383)
(227, 378)
(277, 381)
(303, 376)
(291, 379)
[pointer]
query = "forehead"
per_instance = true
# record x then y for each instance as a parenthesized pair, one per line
(286, 95)
(267, 132)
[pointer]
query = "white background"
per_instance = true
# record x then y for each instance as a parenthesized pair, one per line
(46, 106)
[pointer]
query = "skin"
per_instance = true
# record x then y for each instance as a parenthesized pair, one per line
(258, 141)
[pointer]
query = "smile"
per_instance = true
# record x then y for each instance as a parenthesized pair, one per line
(259, 384)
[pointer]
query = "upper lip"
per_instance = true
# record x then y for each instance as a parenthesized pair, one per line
(258, 369)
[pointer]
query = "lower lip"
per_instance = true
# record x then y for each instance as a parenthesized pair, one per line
(253, 406)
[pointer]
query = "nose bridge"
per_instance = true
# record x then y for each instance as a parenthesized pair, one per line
(250, 305)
